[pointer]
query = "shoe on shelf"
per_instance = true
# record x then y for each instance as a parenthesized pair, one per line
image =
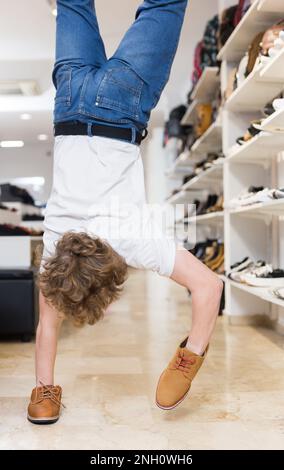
(175, 381)
(221, 269)
(216, 262)
(278, 104)
(279, 43)
(244, 196)
(211, 252)
(251, 132)
(45, 404)
(269, 278)
(219, 206)
(279, 293)
(252, 267)
(241, 265)
(254, 196)
(201, 249)
(281, 35)
(210, 201)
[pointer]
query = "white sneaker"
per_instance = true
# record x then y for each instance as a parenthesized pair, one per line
(272, 52)
(278, 103)
(263, 60)
(263, 281)
(265, 195)
(246, 197)
(258, 277)
(279, 43)
(278, 293)
(252, 267)
(243, 265)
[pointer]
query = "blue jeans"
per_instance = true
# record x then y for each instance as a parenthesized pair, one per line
(122, 90)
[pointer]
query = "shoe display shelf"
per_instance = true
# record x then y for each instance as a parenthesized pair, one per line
(260, 149)
(211, 217)
(274, 123)
(207, 179)
(24, 208)
(18, 251)
(273, 70)
(210, 141)
(10, 217)
(254, 93)
(260, 15)
(257, 230)
(271, 5)
(180, 166)
(204, 92)
(209, 225)
(33, 224)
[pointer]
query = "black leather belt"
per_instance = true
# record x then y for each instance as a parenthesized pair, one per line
(80, 128)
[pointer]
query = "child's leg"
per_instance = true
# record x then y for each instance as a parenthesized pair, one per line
(150, 45)
(206, 290)
(46, 343)
(78, 39)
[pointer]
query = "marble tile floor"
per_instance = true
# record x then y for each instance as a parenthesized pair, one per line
(109, 372)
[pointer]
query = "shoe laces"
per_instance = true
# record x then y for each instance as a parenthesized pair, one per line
(48, 393)
(184, 364)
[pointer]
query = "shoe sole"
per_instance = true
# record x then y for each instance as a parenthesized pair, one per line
(173, 406)
(42, 421)
(276, 282)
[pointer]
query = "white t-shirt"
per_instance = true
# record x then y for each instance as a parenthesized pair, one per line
(98, 188)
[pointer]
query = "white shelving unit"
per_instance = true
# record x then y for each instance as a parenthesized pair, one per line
(213, 177)
(207, 86)
(201, 181)
(256, 19)
(207, 181)
(17, 251)
(271, 6)
(211, 217)
(273, 70)
(254, 93)
(204, 92)
(270, 208)
(262, 147)
(210, 141)
(190, 115)
(256, 230)
(182, 162)
(259, 292)
(274, 122)
(9, 217)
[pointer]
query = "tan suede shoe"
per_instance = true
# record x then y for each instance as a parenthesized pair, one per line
(174, 383)
(44, 407)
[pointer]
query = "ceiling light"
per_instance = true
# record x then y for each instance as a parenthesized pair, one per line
(11, 144)
(29, 180)
(26, 116)
(42, 137)
(54, 11)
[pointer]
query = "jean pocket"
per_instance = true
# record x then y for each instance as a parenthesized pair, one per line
(120, 90)
(62, 81)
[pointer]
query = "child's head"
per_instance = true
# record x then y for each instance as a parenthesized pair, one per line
(82, 278)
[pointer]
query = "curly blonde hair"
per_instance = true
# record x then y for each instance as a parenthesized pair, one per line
(82, 278)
